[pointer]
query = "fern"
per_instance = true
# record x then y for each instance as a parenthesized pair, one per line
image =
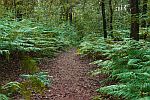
(144, 98)
(29, 37)
(42, 76)
(126, 62)
(11, 88)
(34, 83)
(29, 65)
(3, 97)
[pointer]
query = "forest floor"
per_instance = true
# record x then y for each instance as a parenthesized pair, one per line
(70, 77)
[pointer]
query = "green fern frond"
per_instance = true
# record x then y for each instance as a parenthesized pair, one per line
(3, 97)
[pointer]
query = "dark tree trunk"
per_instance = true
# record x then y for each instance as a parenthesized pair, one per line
(14, 4)
(62, 13)
(6, 4)
(67, 14)
(19, 11)
(104, 18)
(67, 11)
(19, 15)
(70, 15)
(134, 19)
(144, 11)
(111, 18)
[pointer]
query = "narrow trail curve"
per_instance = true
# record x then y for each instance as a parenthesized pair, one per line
(71, 80)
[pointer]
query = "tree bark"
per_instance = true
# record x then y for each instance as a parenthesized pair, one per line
(104, 18)
(144, 11)
(111, 18)
(70, 15)
(19, 14)
(14, 4)
(134, 19)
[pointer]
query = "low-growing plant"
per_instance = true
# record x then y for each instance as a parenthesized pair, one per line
(29, 65)
(3, 97)
(27, 37)
(32, 83)
(11, 88)
(35, 83)
(126, 63)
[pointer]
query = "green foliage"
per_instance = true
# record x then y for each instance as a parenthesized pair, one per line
(93, 45)
(27, 40)
(67, 32)
(36, 83)
(29, 65)
(97, 98)
(145, 98)
(126, 62)
(3, 97)
(42, 76)
(28, 37)
(11, 88)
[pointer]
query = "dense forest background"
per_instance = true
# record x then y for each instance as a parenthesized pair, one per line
(86, 16)
(114, 33)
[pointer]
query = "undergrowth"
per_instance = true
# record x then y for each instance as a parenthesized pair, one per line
(125, 62)
(31, 83)
(29, 41)
(29, 37)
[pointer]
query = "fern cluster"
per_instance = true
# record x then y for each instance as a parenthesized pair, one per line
(3, 97)
(36, 83)
(24, 40)
(26, 37)
(94, 46)
(126, 62)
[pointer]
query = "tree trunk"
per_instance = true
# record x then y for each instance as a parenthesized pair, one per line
(14, 4)
(6, 4)
(144, 11)
(104, 18)
(67, 14)
(134, 19)
(111, 18)
(70, 15)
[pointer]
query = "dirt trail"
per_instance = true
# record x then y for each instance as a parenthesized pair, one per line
(71, 80)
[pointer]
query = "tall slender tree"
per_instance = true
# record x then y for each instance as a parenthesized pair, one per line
(134, 7)
(70, 15)
(144, 12)
(111, 17)
(104, 18)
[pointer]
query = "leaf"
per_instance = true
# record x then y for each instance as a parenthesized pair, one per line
(144, 98)
(133, 61)
(3, 97)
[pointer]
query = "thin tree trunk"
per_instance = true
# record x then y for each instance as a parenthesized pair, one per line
(144, 11)
(67, 11)
(6, 4)
(111, 18)
(14, 8)
(70, 15)
(104, 18)
(134, 19)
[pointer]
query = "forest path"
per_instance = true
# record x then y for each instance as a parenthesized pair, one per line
(71, 80)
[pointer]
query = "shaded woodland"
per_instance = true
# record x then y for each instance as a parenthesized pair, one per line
(112, 35)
